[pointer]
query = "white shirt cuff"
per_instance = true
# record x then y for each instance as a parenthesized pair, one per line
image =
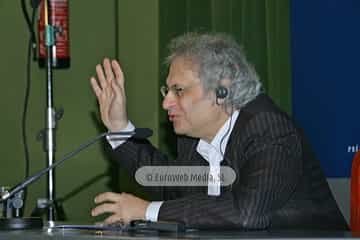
(115, 143)
(152, 211)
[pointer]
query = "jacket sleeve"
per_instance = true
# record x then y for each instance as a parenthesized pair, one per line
(268, 166)
(135, 154)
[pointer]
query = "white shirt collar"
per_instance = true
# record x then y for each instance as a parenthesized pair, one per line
(212, 154)
(203, 148)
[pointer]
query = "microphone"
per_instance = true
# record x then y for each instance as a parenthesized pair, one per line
(138, 133)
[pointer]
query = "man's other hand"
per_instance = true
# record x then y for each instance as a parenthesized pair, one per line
(123, 207)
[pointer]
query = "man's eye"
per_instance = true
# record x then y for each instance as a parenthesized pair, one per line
(179, 91)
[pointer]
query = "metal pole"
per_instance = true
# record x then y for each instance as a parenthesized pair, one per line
(50, 111)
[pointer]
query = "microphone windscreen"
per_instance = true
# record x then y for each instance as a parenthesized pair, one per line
(142, 133)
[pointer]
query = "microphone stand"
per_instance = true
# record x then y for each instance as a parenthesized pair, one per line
(49, 132)
(36, 223)
(49, 141)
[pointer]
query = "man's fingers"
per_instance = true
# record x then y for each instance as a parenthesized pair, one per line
(115, 218)
(108, 70)
(118, 85)
(117, 91)
(101, 76)
(118, 73)
(104, 208)
(108, 197)
(95, 87)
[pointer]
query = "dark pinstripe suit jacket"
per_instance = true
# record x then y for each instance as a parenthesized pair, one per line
(279, 185)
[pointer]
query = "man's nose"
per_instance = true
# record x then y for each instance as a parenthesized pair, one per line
(169, 101)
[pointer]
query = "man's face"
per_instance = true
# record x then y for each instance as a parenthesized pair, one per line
(192, 111)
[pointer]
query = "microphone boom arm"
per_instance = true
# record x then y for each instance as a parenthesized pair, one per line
(139, 133)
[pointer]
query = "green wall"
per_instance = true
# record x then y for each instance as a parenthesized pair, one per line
(136, 32)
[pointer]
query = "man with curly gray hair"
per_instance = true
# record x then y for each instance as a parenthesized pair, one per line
(215, 102)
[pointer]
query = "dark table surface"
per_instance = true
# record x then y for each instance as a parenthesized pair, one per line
(75, 233)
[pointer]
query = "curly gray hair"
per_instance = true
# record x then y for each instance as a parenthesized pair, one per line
(218, 57)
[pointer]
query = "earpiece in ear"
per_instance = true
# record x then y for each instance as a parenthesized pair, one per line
(221, 92)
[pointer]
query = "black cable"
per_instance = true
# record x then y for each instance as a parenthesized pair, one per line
(31, 45)
(227, 131)
(30, 23)
(35, 3)
(24, 118)
(27, 18)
